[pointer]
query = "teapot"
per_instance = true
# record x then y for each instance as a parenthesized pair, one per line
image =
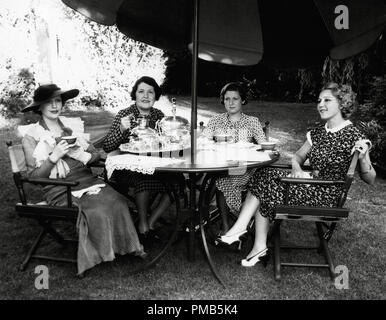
(144, 137)
(175, 128)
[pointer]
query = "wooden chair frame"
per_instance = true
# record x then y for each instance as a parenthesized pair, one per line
(325, 219)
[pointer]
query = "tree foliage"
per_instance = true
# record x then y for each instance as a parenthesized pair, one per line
(98, 60)
(371, 118)
(366, 74)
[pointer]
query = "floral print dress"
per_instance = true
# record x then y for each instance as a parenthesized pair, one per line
(247, 129)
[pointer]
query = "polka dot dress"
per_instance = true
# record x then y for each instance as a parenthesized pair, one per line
(330, 158)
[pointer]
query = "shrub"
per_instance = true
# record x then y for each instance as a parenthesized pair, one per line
(16, 93)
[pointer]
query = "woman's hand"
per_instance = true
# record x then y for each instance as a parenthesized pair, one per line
(299, 173)
(298, 159)
(367, 171)
(363, 147)
(78, 153)
(126, 122)
(60, 150)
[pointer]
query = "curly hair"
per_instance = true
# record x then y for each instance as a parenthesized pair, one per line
(149, 81)
(345, 96)
(234, 86)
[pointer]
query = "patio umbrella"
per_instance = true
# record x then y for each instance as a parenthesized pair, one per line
(286, 33)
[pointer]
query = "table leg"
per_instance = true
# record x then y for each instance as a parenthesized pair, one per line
(204, 200)
(192, 215)
(151, 262)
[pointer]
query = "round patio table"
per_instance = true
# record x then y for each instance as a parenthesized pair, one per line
(208, 163)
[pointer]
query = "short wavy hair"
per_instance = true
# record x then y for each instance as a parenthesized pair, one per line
(149, 81)
(234, 86)
(345, 96)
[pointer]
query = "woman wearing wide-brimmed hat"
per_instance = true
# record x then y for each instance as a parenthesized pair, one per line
(104, 224)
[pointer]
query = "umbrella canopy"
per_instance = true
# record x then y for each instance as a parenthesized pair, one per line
(296, 33)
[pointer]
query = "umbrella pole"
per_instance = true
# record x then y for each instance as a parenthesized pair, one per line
(193, 117)
(193, 126)
(193, 142)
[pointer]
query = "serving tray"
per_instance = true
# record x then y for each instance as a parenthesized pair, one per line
(166, 151)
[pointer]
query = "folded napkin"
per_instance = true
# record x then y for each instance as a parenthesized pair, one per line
(141, 164)
(90, 190)
(305, 175)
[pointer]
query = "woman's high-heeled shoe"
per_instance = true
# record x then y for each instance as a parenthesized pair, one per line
(229, 240)
(262, 256)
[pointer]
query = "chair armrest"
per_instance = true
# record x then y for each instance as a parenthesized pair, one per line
(280, 166)
(311, 181)
(99, 142)
(47, 181)
(288, 166)
(97, 164)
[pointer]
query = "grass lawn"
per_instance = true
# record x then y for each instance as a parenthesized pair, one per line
(359, 242)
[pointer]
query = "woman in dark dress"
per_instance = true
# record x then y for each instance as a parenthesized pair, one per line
(328, 148)
(145, 93)
(104, 223)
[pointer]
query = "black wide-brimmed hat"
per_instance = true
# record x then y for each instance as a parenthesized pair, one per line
(46, 92)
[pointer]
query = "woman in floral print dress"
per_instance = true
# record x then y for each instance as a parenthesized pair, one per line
(243, 128)
(328, 148)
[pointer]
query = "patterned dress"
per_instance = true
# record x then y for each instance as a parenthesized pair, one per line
(125, 179)
(329, 157)
(247, 129)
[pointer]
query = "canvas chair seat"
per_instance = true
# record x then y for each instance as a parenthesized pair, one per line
(324, 218)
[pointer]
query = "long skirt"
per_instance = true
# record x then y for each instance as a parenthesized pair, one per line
(104, 225)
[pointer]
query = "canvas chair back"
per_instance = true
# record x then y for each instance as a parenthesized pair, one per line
(349, 178)
(19, 168)
(17, 157)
